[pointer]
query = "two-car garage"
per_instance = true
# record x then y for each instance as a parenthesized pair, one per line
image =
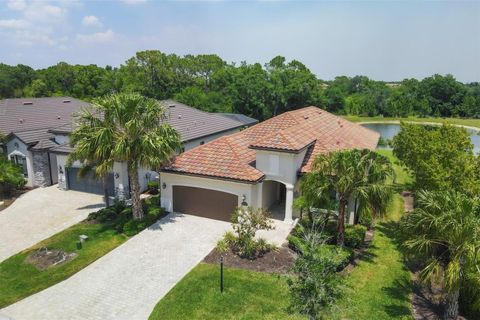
(204, 202)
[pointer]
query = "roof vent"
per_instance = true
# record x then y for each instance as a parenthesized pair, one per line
(20, 120)
(58, 117)
(171, 106)
(27, 103)
(179, 116)
(67, 101)
(305, 117)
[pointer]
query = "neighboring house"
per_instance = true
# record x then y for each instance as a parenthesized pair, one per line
(194, 126)
(26, 123)
(38, 129)
(259, 166)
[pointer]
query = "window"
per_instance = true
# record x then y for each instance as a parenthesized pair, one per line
(202, 142)
(21, 161)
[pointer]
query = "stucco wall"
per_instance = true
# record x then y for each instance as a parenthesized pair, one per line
(270, 192)
(61, 138)
(238, 189)
(280, 166)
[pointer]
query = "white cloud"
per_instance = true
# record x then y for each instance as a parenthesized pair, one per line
(91, 21)
(13, 24)
(133, 2)
(97, 37)
(43, 12)
(17, 5)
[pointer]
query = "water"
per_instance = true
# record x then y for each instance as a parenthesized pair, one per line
(389, 130)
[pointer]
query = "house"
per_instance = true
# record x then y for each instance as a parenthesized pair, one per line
(26, 123)
(38, 131)
(195, 127)
(259, 166)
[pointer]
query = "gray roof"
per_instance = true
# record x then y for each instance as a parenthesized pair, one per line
(28, 114)
(45, 144)
(36, 119)
(62, 148)
(192, 123)
(240, 117)
(33, 136)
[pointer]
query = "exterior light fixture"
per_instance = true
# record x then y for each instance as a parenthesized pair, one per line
(117, 175)
(164, 185)
(244, 202)
(60, 169)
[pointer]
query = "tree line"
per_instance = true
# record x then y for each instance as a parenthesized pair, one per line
(260, 91)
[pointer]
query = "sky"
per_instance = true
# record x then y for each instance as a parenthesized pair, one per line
(384, 40)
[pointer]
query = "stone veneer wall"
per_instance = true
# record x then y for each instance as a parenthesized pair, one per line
(41, 169)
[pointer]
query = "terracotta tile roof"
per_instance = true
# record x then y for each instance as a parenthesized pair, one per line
(233, 156)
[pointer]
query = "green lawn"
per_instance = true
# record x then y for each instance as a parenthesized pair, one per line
(464, 122)
(19, 279)
(247, 295)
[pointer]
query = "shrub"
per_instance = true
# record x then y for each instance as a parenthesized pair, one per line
(130, 228)
(317, 284)
(222, 245)
(152, 187)
(11, 176)
(245, 224)
(355, 235)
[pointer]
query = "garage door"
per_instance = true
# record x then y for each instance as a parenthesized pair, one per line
(204, 202)
(88, 183)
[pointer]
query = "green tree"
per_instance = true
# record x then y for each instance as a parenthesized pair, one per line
(444, 230)
(439, 157)
(11, 176)
(350, 173)
(38, 88)
(131, 129)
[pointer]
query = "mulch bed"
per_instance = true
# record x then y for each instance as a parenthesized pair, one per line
(11, 199)
(276, 261)
(44, 258)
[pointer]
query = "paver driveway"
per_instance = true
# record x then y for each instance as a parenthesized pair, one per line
(41, 213)
(127, 282)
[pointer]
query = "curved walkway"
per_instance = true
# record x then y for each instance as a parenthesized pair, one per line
(41, 213)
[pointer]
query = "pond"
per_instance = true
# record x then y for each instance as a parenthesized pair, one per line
(389, 130)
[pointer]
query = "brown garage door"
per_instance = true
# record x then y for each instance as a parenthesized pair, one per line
(204, 202)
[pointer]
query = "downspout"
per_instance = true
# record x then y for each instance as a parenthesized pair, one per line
(50, 168)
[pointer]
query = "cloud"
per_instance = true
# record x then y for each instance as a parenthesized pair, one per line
(13, 24)
(134, 2)
(97, 37)
(35, 23)
(17, 5)
(91, 21)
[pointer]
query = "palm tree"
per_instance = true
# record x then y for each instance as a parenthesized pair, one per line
(444, 230)
(349, 173)
(125, 127)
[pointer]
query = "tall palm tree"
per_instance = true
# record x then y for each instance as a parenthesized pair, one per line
(444, 230)
(350, 173)
(125, 127)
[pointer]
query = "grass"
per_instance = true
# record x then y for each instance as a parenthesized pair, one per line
(247, 295)
(19, 279)
(464, 122)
